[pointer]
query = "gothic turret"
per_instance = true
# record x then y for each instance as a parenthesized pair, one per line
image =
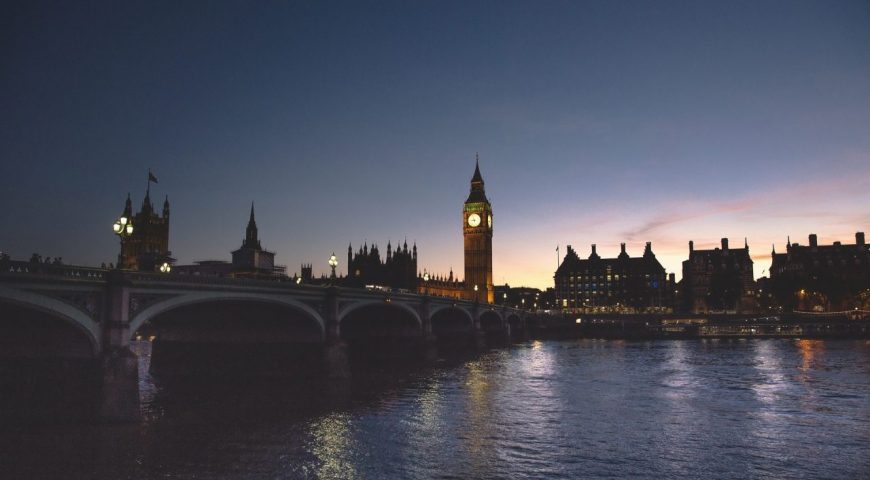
(128, 207)
(166, 207)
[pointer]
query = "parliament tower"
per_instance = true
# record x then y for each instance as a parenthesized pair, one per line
(148, 246)
(477, 233)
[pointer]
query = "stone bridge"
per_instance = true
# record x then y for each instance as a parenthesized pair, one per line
(57, 311)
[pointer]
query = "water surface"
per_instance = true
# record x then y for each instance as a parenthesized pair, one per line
(573, 409)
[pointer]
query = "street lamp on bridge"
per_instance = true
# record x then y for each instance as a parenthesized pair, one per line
(123, 228)
(333, 262)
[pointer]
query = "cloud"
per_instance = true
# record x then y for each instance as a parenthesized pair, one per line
(792, 198)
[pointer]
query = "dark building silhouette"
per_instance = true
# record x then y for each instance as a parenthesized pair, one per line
(250, 260)
(822, 277)
(720, 279)
(622, 284)
(148, 246)
(306, 272)
(397, 271)
(477, 235)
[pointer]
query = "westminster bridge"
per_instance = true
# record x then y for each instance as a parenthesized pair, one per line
(87, 317)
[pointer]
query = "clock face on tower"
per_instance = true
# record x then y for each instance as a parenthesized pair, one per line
(489, 221)
(473, 220)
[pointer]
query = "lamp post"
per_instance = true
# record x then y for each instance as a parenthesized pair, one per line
(123, 228)
(425, 282)
(165, 267)
(333, 262)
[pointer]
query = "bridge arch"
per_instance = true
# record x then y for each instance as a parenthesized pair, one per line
(343, 314)
(490, 320)
(464, 311)
(189, 299)
(57, 309)
(378, 324)
(450, 320)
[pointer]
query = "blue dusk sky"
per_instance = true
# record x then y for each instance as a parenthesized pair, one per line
(596, 122)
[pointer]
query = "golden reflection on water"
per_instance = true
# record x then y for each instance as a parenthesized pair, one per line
(478, 437)
(811, 352)
(333, 446)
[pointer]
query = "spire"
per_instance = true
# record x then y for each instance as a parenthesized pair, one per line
(166, 206)
(772, 249)
(477, 193)
(746, 243)
(146, 202)
(128, 207)
(477, 177)
(251, 240)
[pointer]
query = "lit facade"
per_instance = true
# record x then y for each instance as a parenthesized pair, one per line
(477, 235)
(613, 285)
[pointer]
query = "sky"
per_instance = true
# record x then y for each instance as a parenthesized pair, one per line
(348, 122)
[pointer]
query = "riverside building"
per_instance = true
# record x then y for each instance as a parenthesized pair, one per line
(822, 277)
(613, 285)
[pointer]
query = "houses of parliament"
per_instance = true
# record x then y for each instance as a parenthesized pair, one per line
(148, 247)
(400, 269)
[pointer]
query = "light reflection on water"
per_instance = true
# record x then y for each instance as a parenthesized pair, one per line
(573, 409)
(333, 446)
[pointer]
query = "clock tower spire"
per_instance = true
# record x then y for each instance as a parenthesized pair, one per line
(477, 234)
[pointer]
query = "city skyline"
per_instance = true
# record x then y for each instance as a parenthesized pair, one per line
(595, 123)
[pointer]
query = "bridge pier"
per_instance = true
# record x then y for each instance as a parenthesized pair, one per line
(335, 359)
(119, 366)
(119, 387)
(335, 351)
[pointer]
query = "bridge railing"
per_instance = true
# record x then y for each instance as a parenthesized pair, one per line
(13, 268)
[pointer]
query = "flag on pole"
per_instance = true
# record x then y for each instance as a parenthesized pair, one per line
(151, 177)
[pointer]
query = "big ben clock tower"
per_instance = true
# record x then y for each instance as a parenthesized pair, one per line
(477, 232)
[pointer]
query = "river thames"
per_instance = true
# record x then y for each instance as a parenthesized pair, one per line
(553, 409)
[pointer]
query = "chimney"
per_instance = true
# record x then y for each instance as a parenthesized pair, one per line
(593, 249)
(622, 248)
(691, 246)
(859, 238)
(814, 240)
(724, 244)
